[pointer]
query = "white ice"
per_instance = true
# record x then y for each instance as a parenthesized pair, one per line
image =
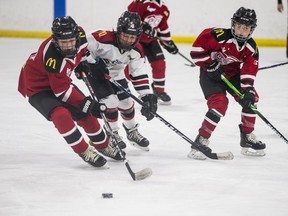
(41, 175)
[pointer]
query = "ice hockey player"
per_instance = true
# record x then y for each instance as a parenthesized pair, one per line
(116, 50)
(154, 15)
(45, 80)
(233, 53)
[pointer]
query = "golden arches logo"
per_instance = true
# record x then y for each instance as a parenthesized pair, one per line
(219, 32)
(81, 34)
(51, 63)
(102, 33)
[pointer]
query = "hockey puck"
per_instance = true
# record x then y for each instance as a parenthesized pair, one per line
(107, 195)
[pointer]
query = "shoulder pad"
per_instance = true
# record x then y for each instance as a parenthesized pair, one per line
(220, 34)
(252, 43)
(82, 37)
(107, 37)
(52, 60)
(254, 47)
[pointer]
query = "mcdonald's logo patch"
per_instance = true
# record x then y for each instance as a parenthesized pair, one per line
(51, 63)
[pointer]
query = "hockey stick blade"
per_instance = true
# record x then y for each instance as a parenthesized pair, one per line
(207, 151)
(138, 176)
(225, 156)
(190, 65)
(143, 174)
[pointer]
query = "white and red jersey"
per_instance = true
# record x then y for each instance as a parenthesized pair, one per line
(47, 70)
(103, 44)
(219, 44)
(156, 13)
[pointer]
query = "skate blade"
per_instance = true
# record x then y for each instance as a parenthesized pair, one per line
(160, 102)
(143, 174)
(104, 167)
(252, 152)
(140, 147)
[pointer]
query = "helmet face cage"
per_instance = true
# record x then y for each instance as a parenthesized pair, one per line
(129, 23)
(62, 29)
(246, 17)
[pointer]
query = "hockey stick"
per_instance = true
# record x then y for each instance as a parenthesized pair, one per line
(191, 63)
(202, 148)
(272, 66)
(187, 59)
(136, 176)
(253, 108)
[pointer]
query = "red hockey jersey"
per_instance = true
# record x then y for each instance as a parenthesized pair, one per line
(156, 14)
(219, 44)
(47, 69)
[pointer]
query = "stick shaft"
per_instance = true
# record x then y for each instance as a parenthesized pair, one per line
(192, 64)
(272, 66)
(86, 81)
(230, 85)
(207, 152)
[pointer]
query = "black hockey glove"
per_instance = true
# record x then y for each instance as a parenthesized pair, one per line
(99, 69)
(92, 107)
(214, 70)
(170, 46)
(148, 30)
(83, 66)
(149, 106)
(248, 98)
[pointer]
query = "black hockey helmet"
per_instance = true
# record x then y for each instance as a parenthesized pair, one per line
(244, 16)
(129, 23)
(65, 28)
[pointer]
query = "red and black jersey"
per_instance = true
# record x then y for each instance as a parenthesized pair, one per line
(219, 44)
(156, 14)
(47, 69)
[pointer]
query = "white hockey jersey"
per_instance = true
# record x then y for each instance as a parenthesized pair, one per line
(103, 44)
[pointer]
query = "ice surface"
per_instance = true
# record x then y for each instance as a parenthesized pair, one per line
(40, 174)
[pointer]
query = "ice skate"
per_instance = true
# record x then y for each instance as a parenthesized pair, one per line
(110, 151)
(251, 146)
(136, 139)
(195, 154)
(163, 97)
(117, 139)
(91, 157)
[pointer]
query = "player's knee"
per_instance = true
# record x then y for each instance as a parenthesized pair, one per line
(126, 104)
(218, 103)
(111, 102)
(60, 114)
(159, 65)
